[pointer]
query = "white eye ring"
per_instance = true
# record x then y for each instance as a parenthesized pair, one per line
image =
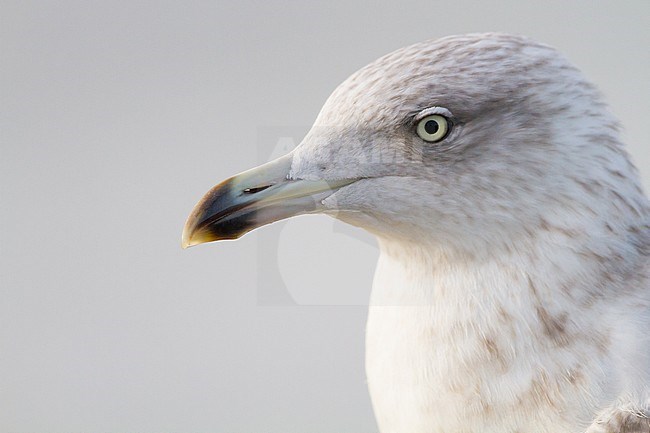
(433, 128)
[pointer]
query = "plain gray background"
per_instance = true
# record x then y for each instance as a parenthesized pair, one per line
(116, 117)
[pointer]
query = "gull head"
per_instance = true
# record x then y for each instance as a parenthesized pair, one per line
(469, 143)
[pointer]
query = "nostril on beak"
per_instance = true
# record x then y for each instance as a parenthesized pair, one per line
(256, 189)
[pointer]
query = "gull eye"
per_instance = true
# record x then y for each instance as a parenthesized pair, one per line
(433, 128)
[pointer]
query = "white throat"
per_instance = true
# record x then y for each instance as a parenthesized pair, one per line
(453, 343)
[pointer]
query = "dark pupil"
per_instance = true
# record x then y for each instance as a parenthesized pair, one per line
(431, 127)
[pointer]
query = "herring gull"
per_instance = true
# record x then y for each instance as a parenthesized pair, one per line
(512, 292)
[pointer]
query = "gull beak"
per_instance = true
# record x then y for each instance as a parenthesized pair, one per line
(254, 198)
